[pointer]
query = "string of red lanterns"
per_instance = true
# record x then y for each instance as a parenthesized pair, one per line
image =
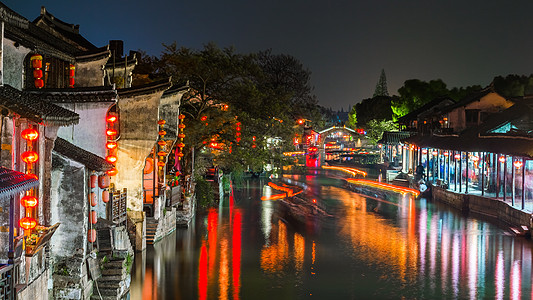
(71, 71)
(181, 135)
(37, 65)
(111, 144)
(29, 201)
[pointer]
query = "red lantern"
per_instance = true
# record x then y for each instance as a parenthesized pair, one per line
(181, 135)
(181, 145)
(238, 124)
(161, 163)
(237, 133)
(111, 132)
(111, 118)
(162, 143)
(111, 159)
(179, 154)
(37, 73)
(112, 172)
(92, 198)
(111, 145)
(517, 164)
(103, 181)
(502, 159)
(36, 61)
(182, 116)
(435, 152)
(457, 156)
(29, 201)
(92, 217)
(27, 223)
(238, 139)
(94, 179)
(203, 118)
(91, 236)
(424, 151)
(71, 70)
(161, 153)
(238, 128)
(105, 196)
(71, 81)
(29, 157)
(253, 146)
(39, 83)
(161, 122)
(30, 134)
(162, 132)
(181, 126)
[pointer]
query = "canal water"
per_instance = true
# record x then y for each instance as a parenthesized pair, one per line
(392, 248)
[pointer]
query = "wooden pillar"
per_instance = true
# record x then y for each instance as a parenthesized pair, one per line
(513, 183)
(454, 172)
(498, 177)
(482, 165)
(523, 183)
(504, 178)
(467, 174)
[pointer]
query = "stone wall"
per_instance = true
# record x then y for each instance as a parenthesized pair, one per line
(90, 73)
(166, 224)
(486, 206)
(37, 290)
(13, 63)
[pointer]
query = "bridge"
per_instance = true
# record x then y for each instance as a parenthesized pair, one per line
(358, 139)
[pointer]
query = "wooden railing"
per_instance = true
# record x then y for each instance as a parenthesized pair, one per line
(118, 203)
(6, 282)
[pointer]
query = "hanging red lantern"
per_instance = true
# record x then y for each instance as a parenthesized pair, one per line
(179, 154)
(71, 70)
(238, 124)
(94, 180)
(30, 134)
(29, 201)
(181, 126)
(37, 73)
(29, 157)
(161, 153)
(424, 151)
(162, 132)
(237, 133)
(238, 139)
(161, 122)
(181, 145)
(502, 159)
(517, 164)
(238, 128)
(181, 135)
(92, 199)
(435, 152)
(36, 61)
(39, 83)
(112, 172)
(182, 116)
(93, 219)
(103, 181)
(111, 132)
(162, 143)
(91, 235)
(203, 118)
(105, 196)
(111, 159)
(111, 145)
(161, 163)
(111, 118)
(253, 146)
(27, 223)
(457, 156)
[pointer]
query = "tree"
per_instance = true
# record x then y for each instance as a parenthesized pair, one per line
(415, 93)
(375, 128)
(259, 93)
(513, 85)
(378, 107)
(381, 86)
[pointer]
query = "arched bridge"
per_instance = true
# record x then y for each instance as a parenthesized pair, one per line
(324, 134)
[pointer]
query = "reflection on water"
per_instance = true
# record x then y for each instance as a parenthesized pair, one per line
(399, 247)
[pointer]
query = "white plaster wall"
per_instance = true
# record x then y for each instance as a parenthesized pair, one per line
(69, 206)
(89, 133)
(14, 63)
(138, 134)
(90, 73)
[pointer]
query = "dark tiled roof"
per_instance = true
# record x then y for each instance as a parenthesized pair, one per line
(69, 32)
(149, 88)
(394, 137)
(437, 102)
(77, 95)
(92, 55)
(175, 89)
(89, 159)
(13, 182)
(32, 107)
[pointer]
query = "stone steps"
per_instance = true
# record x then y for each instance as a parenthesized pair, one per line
(151, 229)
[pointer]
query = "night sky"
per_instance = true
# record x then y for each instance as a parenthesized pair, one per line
(345, 44)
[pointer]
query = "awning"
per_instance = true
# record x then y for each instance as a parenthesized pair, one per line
(13, 182)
